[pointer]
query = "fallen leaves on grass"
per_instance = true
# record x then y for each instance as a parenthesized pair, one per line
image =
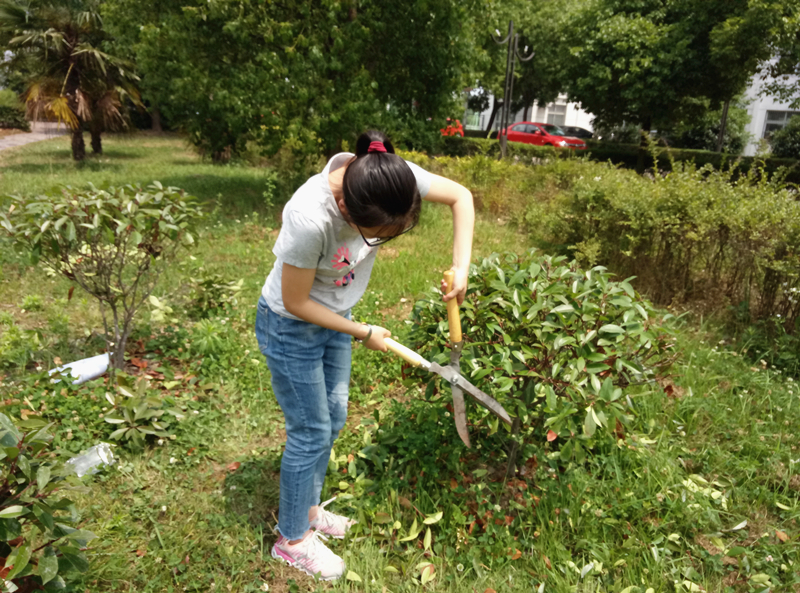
(781, 535)
(233, 466)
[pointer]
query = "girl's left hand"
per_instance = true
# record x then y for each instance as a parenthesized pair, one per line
(459, 286)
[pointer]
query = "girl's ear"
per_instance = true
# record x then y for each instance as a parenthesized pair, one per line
(342, 207)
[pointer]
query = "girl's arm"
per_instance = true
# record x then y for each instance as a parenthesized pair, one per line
(295, 288)
(459, 198)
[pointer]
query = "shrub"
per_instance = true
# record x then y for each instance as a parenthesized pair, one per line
(9, 98)
(114, 243)
(18, 345)
(13, 117)
(785, 143)
(138, 414)
(626, 155)
(210, 294)
(692, 235)
(32, 302)
(556, 345)
(40, 539)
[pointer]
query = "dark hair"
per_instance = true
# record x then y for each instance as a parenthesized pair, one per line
(379, 188)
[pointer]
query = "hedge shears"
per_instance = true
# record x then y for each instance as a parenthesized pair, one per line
(452, 372)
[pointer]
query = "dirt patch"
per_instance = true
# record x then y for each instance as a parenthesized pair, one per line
(401, 310)
(670, 388)
(4, 132)
(706, 544)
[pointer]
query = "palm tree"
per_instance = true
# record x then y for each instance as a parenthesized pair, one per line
(71, 79)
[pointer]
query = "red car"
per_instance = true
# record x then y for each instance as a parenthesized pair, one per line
(543, 135)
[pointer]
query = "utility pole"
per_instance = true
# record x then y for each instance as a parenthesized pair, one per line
(512, 39)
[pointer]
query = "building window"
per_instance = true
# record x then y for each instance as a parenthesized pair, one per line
(777, 120)
(557, 114)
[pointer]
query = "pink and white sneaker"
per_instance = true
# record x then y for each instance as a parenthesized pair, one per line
(311, 556)
(331, 524)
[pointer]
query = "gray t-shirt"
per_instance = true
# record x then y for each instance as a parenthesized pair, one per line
(315, 235)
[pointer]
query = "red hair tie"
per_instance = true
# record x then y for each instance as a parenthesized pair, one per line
(376, 147)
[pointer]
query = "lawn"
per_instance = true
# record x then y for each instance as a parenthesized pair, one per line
(705, 494)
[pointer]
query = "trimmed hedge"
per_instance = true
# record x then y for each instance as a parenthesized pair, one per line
(625, 155)
(13, 117)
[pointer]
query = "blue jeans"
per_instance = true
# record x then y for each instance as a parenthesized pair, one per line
(310, 368)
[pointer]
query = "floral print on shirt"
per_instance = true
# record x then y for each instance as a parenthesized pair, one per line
(341, 261)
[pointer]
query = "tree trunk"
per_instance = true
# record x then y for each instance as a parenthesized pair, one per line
(723, 124)
(641, 158)
(78, 145)
(155, 118)
(495, 107)
(525, 113)
(97, 141)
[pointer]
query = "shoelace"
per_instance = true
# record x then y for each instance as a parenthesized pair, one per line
(326, 517)
(316, 549)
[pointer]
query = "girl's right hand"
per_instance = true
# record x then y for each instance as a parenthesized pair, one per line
(376, 340)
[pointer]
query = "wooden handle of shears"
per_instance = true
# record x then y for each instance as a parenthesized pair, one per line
(453, 317)
(406, 354)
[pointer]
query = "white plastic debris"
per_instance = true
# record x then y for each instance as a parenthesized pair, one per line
(84, 370)
(90, 462)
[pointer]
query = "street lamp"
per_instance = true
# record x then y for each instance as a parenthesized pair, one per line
(512, 39)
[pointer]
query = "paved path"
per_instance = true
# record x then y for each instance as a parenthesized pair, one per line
(39, 131)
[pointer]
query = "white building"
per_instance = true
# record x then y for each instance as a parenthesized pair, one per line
(766, 116)
(560, 113)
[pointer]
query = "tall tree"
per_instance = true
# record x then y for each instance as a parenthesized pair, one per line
(69, 76)
(306, 75)
(640, 60)
(782, 74)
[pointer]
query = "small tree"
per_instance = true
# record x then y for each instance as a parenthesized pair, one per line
(556, 345)
(785, 143)
(114, 243)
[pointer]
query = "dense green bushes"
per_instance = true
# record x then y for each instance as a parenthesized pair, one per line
(14, 118)
(786, 142)
(695, 235)
(558, 346)
(626, 155)
(12, 111)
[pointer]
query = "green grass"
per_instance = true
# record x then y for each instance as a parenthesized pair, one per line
(196, 513)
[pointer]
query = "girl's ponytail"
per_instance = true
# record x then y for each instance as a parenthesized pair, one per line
(369, 138)
(380, 191)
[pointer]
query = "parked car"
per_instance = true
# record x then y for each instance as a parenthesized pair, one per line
(543, 135)
(576, 132)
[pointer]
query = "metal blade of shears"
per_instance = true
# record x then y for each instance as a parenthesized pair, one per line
(459, 407)
(456, 380)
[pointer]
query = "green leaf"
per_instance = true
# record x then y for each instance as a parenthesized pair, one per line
(413, 532)
(552, 400)
(24, 465)
(13, 512)
(44, 516)
(589, 425)
(432, 519)
(736, 551)
(48, 565)
(42, 477)
(21, 557)
(9, 435)
(427, 540)
(351, 576)
(73, 559)
(382, 518)
(612, 329)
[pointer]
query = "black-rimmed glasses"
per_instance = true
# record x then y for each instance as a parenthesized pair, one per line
(381, 240)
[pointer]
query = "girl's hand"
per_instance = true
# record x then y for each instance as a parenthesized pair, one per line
(376, 340)
(459, 286)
